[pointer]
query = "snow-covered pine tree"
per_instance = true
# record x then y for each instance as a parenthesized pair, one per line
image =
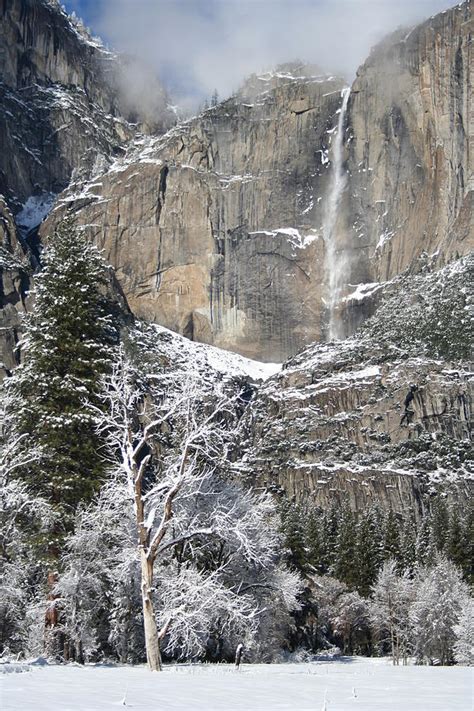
(408, 545)
(439, 523)
(313, 539)
(66, 347)
(425, 550)
(392, 544)
(292, 526)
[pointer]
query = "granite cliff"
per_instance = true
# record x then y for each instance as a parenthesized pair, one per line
(63, 116)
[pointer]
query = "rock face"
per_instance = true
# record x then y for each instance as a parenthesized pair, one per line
(212, 228)
(217, 230)
(409, 149)
(327, 429)
(62, 110)
(385, 416)
(15, 270)
(63, 116)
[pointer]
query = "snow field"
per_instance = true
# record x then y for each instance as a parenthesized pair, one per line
(363, 684)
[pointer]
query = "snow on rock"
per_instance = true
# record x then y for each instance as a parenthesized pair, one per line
(201, 358)
(363, 291)
(293, 236)
(34, 210)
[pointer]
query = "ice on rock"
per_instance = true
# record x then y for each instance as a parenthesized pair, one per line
(34, 211)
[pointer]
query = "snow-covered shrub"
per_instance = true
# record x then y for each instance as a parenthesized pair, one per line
(431, 313)
(464, 631)
(441, 598)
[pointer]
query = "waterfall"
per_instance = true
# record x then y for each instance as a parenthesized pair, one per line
(334, 262)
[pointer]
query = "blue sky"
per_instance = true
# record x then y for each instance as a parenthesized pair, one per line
(199, 45)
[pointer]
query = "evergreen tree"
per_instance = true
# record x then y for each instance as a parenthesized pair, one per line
(392, 543)
(65, 350)
(292, 528)
(425, 550)
(345, 548)
(455, 541)
(369, 550)
(468, 544)
(439, 524)
(313, 539)
(407, 559)
(330, 528)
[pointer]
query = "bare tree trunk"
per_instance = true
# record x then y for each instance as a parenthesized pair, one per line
(152, 643)
(53, 642)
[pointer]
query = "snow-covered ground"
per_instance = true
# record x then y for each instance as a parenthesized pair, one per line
(367, 685)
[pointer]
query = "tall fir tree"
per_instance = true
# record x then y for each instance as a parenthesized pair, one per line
(330, 528)
(439, 523)
(455, 541)
(345, 549)
(65, 349)
(407, 560)
(369, 550)
(468, 544)
(313, 539)
(392, 542)
(291, 516)
(425, 550)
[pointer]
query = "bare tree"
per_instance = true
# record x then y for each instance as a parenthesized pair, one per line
(170, 446)
(393, 595)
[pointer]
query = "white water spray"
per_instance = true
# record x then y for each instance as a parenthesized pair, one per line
(334, 263)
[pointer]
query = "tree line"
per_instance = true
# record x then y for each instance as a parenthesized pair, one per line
(381, 583)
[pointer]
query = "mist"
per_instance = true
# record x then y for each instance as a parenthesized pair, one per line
(198, 46)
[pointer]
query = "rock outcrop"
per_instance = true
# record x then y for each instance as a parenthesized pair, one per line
(409, 149)
(212, 227)
(218, 231)
(63, 114)
(335, 425)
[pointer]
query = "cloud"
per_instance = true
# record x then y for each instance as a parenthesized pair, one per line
(197, 46)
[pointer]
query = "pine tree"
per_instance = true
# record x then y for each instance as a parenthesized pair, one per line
(408, 545)
(369, 550)
(425, 550)
(392, 543)
(313, 539)
(468, 544)
(344, 554)
(330, 528)
(439, 524)
(65, 350)
(292, 529)
(455, 542)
